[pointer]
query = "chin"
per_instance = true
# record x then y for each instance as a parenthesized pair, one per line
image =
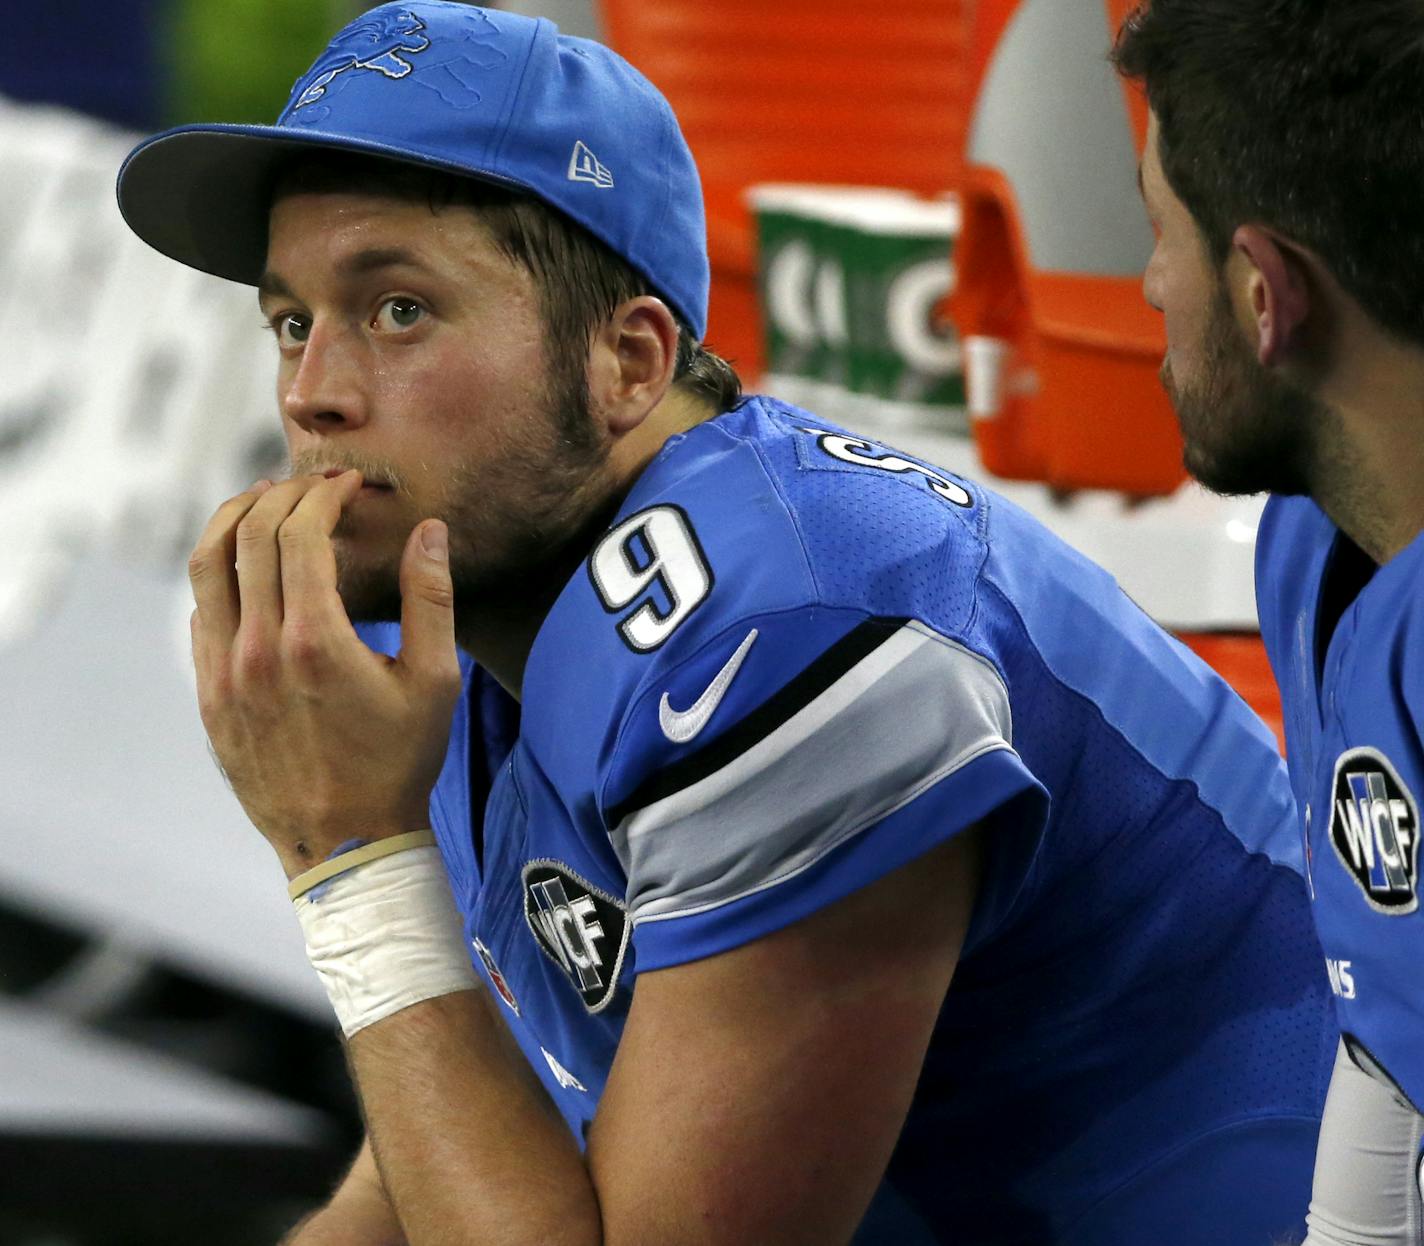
(1260, 466)
(1225, 478)
(370, 594)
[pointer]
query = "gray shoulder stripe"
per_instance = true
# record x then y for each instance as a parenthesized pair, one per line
(911, 712)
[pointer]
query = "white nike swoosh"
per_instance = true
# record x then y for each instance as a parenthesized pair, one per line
(680, 726)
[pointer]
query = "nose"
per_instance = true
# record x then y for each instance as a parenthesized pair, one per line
(321, 390)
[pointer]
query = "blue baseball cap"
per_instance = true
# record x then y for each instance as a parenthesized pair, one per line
(490, 95)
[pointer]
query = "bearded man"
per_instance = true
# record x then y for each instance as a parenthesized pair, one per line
(1283, 169)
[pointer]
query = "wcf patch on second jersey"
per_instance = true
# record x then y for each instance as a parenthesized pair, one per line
(1374, 828)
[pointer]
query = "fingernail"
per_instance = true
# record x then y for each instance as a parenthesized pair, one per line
(435, 541)
(260, 486)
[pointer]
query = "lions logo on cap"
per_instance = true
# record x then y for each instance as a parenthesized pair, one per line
(1374, 828)
(379, 44)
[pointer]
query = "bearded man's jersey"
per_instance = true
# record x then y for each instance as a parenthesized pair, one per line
(798, 661)
(1346, 641)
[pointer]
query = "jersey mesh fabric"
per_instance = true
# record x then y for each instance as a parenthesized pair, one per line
(844, 511)
(1140, 979)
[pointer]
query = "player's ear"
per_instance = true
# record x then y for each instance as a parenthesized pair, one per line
(631, 366)
(1278, 291)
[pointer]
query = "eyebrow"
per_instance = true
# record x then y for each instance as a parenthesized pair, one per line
(272, 284)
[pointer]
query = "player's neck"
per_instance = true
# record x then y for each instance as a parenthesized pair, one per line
(499, 630)
(500, 642)
(500, 636)
(1372, 483)
(676, 413)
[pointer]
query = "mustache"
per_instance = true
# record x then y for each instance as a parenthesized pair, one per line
(376, 471)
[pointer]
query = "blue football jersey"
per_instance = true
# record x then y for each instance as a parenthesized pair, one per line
(799, 660)
(1354, 698)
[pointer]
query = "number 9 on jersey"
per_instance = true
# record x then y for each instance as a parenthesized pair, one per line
(655, 555)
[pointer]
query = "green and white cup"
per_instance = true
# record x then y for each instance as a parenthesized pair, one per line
(787, 246)
(807, 235)
(904, 356)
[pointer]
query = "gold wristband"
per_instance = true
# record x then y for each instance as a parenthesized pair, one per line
(374, 851)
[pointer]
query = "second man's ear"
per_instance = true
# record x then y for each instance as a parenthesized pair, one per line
(1278, 292)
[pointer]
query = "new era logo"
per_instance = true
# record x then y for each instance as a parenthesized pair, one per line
(584, 166)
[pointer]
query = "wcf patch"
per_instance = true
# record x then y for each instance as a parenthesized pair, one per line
(581, 928)
(1374, 828)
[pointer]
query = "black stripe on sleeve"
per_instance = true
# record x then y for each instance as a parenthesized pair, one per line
(851, 649)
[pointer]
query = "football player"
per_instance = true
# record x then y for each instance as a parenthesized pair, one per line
(1282, 172)
(840, 855)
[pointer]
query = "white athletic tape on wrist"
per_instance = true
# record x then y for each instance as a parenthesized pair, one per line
(384, 934)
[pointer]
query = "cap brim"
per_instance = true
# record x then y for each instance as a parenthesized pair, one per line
(201, 194)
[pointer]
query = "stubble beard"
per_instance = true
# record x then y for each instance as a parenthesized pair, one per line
(1245, 430)
(521, 517)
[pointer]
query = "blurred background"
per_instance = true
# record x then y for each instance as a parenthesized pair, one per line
(923, 223)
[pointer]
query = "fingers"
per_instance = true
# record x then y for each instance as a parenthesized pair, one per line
(258, 561)
(265, 571)
(211, 569)
(307, 559)
(428, 607)
(262, 551)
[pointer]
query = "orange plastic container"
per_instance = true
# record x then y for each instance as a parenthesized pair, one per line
(799, 91)
(1081, 405)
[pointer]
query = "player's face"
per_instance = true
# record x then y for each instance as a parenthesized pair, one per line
(1245, 430)
(412, 349)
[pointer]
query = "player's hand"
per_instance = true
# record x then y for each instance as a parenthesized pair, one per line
(322, 739)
